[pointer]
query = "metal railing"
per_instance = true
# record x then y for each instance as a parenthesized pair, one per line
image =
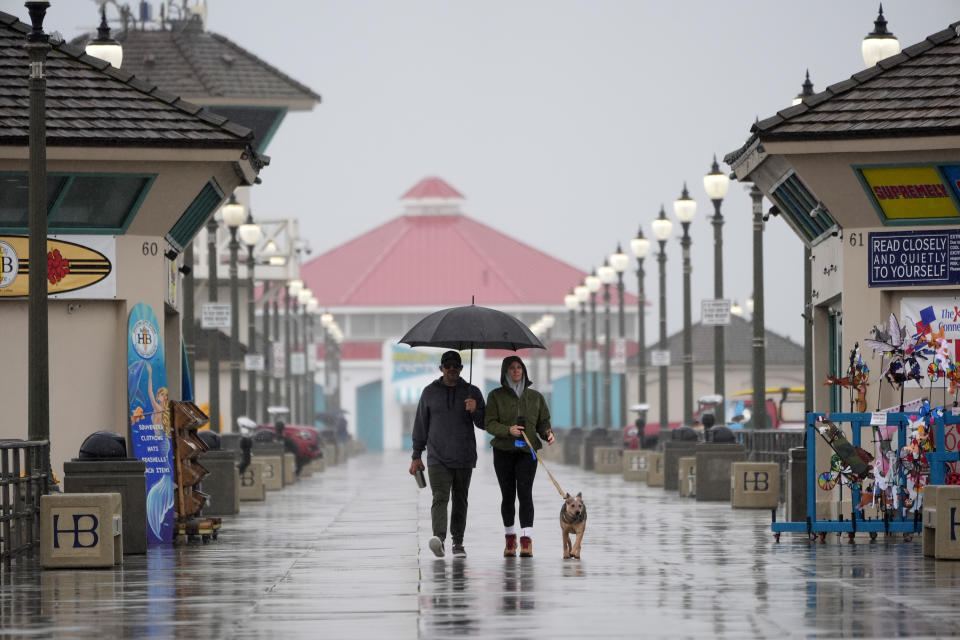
(770, 445)
(24, 470)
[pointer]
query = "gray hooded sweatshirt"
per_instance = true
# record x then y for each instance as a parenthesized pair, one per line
(444, 428)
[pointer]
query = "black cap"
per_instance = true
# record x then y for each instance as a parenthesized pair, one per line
(450, 357)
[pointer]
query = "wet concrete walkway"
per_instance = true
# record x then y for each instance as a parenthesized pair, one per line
(343, 554)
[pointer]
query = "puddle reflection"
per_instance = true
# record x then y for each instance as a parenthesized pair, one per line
(519, 584)
(450, 598)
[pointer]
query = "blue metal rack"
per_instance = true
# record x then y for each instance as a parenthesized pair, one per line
(907, 524)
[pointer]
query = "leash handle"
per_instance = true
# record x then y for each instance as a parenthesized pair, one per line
(563, 494)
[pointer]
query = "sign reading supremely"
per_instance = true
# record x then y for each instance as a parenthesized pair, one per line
(914, 258)
(910, 193)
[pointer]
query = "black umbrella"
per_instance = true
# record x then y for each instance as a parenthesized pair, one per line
(471, 327)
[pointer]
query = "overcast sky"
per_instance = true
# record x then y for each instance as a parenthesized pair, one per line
(565, 123)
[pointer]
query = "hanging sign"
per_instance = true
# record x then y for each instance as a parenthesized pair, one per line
(148, 403)
(914, 258)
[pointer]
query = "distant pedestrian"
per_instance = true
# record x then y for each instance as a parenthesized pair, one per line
(511, 408)
(448, 411)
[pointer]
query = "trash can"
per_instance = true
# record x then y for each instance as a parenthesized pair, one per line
(571, 446)
(103, 467)
(598, 437)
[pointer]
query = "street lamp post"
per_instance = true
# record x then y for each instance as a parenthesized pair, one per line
(312, 346)
(250, 235)
(213, 335)
(716, 184)
(293, 288)
(641, 247)
(619, 261)
(607, 275)
(38, 345)
(583, 294)
(759, 420)
(593, 285)
(303, 298)
(548, 321)
(685, 208)
(266, 376)
(662, 227)
(277, 379)
(571, 303)
(233, 217)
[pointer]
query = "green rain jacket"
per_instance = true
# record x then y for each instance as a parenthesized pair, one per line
(504, 407)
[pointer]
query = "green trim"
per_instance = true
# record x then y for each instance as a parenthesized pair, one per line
(195, 215)
(910, 222)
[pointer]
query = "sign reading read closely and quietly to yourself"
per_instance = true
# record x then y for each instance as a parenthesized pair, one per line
(914, 258)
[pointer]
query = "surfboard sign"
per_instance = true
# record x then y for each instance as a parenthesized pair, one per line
(82, 263)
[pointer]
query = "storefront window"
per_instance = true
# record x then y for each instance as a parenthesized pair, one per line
(88, 202)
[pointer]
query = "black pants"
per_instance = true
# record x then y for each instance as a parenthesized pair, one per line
(449, 485)
(515, 473)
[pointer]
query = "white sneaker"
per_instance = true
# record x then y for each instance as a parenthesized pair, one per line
(436, 545)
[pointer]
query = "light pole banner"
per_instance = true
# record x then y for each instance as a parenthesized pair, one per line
(571, 353)
(593, 360)
(298, 364)
(148, 405)
(279, 360)
(618, 360)
(253, 362)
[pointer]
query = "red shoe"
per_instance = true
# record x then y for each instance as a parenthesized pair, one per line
(511, 549)
(526, 547)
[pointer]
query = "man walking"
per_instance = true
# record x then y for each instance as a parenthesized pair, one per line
(449, 409)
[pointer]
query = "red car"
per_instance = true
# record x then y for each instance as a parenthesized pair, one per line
(305, 440)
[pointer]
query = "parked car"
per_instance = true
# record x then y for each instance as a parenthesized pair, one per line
(300, 440)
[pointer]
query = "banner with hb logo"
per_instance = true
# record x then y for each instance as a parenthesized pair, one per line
(148, 403)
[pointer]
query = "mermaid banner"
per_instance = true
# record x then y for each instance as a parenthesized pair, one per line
(148, 399)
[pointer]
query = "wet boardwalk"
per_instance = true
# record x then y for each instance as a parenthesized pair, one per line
(343, 554)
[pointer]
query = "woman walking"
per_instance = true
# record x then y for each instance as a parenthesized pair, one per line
(511, 408)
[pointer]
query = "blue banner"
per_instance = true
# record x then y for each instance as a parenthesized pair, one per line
(148, 399)
(913, 258)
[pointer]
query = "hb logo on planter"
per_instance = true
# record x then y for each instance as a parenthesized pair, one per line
(247, 479)
(90, 536)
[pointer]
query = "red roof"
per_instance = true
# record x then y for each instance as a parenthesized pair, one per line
(438, 259)
(431, 187)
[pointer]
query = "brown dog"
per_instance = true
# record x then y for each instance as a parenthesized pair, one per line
(573, 520)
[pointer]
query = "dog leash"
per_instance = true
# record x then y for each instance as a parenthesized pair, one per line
(563, 494)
